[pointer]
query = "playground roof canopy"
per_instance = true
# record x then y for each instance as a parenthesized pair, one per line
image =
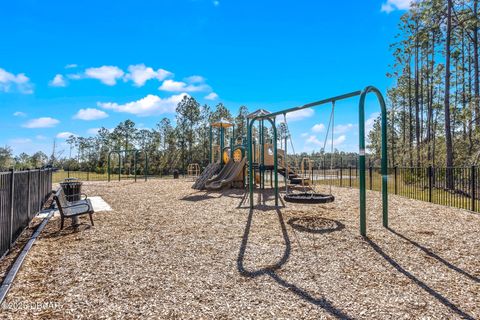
(258, 113)
(222, 123)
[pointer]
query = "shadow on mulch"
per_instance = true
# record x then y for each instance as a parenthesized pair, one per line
(435, 256)
(271, 270)
(316, 225)
(447, 303)
(66, 231)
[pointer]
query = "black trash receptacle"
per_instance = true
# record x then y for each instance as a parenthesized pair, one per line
(72, 188)
(175, 174)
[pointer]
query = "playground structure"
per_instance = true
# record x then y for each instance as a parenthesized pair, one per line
(263, 156)
(121, 159)
(263, 117)
(227, 162)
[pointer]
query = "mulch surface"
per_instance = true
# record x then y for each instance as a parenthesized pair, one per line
(169, 252)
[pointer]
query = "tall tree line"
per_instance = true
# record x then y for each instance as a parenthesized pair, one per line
(434, 106)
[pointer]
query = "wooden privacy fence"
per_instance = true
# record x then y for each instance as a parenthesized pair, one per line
(22, 195)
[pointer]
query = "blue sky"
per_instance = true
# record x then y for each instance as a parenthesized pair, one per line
(72, 67)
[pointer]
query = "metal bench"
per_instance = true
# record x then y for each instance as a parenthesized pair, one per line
(72, 209)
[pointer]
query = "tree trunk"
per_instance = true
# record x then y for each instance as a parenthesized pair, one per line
(475, 63)
(448, 131)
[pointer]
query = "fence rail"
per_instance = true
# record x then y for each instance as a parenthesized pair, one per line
(457, 187)
(22, 195)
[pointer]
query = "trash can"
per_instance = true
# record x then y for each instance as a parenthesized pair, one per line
(72, 188)
(175, 174)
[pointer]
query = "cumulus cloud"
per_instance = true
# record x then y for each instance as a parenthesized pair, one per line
(180, 86)
(195, 79)
(65, 135)
(140, 74)
(44, 122)
(106, 74)
(339, 140)
(19, 114)
(10, 82)
(58, 81)
(211, 96)
(93, 131)
(320, 127)
(370, 122)
(300, 114)
(313, 140)
(90, 114)
(147, 106)
(344, 128)
(392, 5)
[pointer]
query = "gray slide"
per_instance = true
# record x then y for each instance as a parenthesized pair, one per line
(225, 178)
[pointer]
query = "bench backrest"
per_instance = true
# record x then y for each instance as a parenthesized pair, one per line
(62, 203)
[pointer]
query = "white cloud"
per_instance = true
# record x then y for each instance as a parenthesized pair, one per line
(339, 140)
(106, 74)
(211, 96)
(93, 130)
(58, 81)
(40, 137)
(320, 127)
(300, 114)
(19, 114)
(71, 66)
(20, 140)
(313, 140)
(392, 5)
(90, 114)
(140, 74)
(344, 128)
(44, 122)
(180, 86)
(304, 135)
(65, 135)
(150, 105)
(20, 82)
(370, 122)
(195, 79)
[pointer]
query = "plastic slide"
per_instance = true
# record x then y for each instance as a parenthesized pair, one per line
(228, 174)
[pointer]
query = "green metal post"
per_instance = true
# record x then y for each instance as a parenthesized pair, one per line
(211, 145)
(262, 156)
(108, 166)
(363, 222)
(250, 163)
(222, 144)
(145, 171)
(135, 164)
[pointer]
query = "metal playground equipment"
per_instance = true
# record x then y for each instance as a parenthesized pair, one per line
(271, 118)
(136, 154)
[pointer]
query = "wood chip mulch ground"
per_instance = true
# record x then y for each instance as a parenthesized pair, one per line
(169, 252)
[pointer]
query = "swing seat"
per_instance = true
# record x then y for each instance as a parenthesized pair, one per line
(310, 198)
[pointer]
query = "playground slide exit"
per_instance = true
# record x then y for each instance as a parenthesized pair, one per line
(228, 174)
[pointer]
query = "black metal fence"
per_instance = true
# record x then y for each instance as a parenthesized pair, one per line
(22, 195)
(457, 187)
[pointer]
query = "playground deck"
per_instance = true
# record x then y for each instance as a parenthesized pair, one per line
(167, 251)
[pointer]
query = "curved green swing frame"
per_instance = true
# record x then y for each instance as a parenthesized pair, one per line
(361, 119)
(135, 157)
